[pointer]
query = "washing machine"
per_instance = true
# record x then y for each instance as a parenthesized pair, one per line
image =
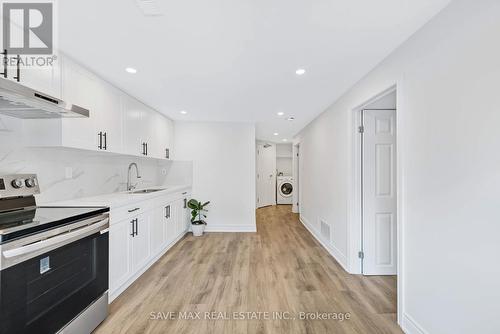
(284, 190)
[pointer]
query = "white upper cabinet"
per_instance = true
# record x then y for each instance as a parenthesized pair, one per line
(107, 107)
(117, 123)
(102, 130)
(134, 126)
(80, 88)
(146, 132)
(45, 79)
(39, 72)
(162, 136)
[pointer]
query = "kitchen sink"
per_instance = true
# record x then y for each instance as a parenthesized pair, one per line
(145, 191)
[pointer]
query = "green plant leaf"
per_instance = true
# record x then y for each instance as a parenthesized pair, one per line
(192, 204)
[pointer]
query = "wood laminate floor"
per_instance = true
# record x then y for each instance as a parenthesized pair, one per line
(280, 271)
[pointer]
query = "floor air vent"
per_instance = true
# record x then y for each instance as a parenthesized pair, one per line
(325, 230)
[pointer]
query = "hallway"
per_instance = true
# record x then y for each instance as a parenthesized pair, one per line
(281, 269)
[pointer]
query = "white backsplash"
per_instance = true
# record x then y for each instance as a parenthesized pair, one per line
(68, 173)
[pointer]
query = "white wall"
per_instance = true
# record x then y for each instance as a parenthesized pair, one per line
(223, 156)
(284, 159)
(448, 115)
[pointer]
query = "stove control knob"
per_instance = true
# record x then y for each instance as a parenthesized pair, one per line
(30, 183)
(17, 183)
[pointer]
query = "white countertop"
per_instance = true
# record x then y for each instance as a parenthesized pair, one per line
(119, 199)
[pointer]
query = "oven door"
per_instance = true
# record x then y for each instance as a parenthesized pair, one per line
(50, 281)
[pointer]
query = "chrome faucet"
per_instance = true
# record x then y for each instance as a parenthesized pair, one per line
(129, 185)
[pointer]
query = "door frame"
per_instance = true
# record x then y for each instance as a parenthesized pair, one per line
(296, 177)
(355, 227)
(257, 171)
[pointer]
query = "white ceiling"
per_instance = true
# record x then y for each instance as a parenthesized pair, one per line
(235, 60)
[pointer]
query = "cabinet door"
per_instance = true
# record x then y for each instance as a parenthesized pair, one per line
(108, 111)
(158, 229)
(45, 79)
(133, 125)
(157, 136)
(180, 218)
(163, 137)
(79, 87)
(169, 142)
(39, 72)
(140, 242)
(170, 223)
(119, 254)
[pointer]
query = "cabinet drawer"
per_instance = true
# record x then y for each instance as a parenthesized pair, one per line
(128, 211)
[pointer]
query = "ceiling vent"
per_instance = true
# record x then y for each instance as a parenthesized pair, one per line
(149, 7)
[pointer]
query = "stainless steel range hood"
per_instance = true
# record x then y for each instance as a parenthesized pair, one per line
(20, 101)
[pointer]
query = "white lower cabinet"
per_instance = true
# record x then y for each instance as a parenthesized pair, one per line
(136, 242)
(120, 248)
(140, 242)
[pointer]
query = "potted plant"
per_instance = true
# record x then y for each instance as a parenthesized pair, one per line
(197, 214)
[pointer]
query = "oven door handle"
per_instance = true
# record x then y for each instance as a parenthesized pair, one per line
(58, 239)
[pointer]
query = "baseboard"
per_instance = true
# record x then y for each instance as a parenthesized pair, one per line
(231, 228)
(114, 294)
(410, 326)
(334, 251)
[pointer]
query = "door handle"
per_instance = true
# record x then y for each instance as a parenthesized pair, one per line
(167, 211)
(133, 227)
(185, 203)
(105, 135)
(136, 226)
(167, 153)
(100, 140)
(146, 148)
(5, 60)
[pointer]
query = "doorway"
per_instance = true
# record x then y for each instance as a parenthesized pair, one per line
(378, 182)
(266, 174)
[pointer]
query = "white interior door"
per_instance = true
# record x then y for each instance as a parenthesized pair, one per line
(379, 192)
(266, 175)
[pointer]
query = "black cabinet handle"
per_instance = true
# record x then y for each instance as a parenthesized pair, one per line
(132, 210)
(167, 153)
(133, 228)
(100, 140)
(5, 60)
(146, 148)
(167, 211)
(143, 148)
(18, 69)
(136, 226)
(105, 135)
(185, 203)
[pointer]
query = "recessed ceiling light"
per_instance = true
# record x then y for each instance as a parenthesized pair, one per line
(184, 112)
(281, 113)
(276, 134)
(284, 139)
(291, 118)
(300, 71)
(131, 70)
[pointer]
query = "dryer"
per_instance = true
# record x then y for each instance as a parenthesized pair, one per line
(284, 190)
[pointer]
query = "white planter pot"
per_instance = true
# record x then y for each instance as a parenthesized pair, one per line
(198, 230)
